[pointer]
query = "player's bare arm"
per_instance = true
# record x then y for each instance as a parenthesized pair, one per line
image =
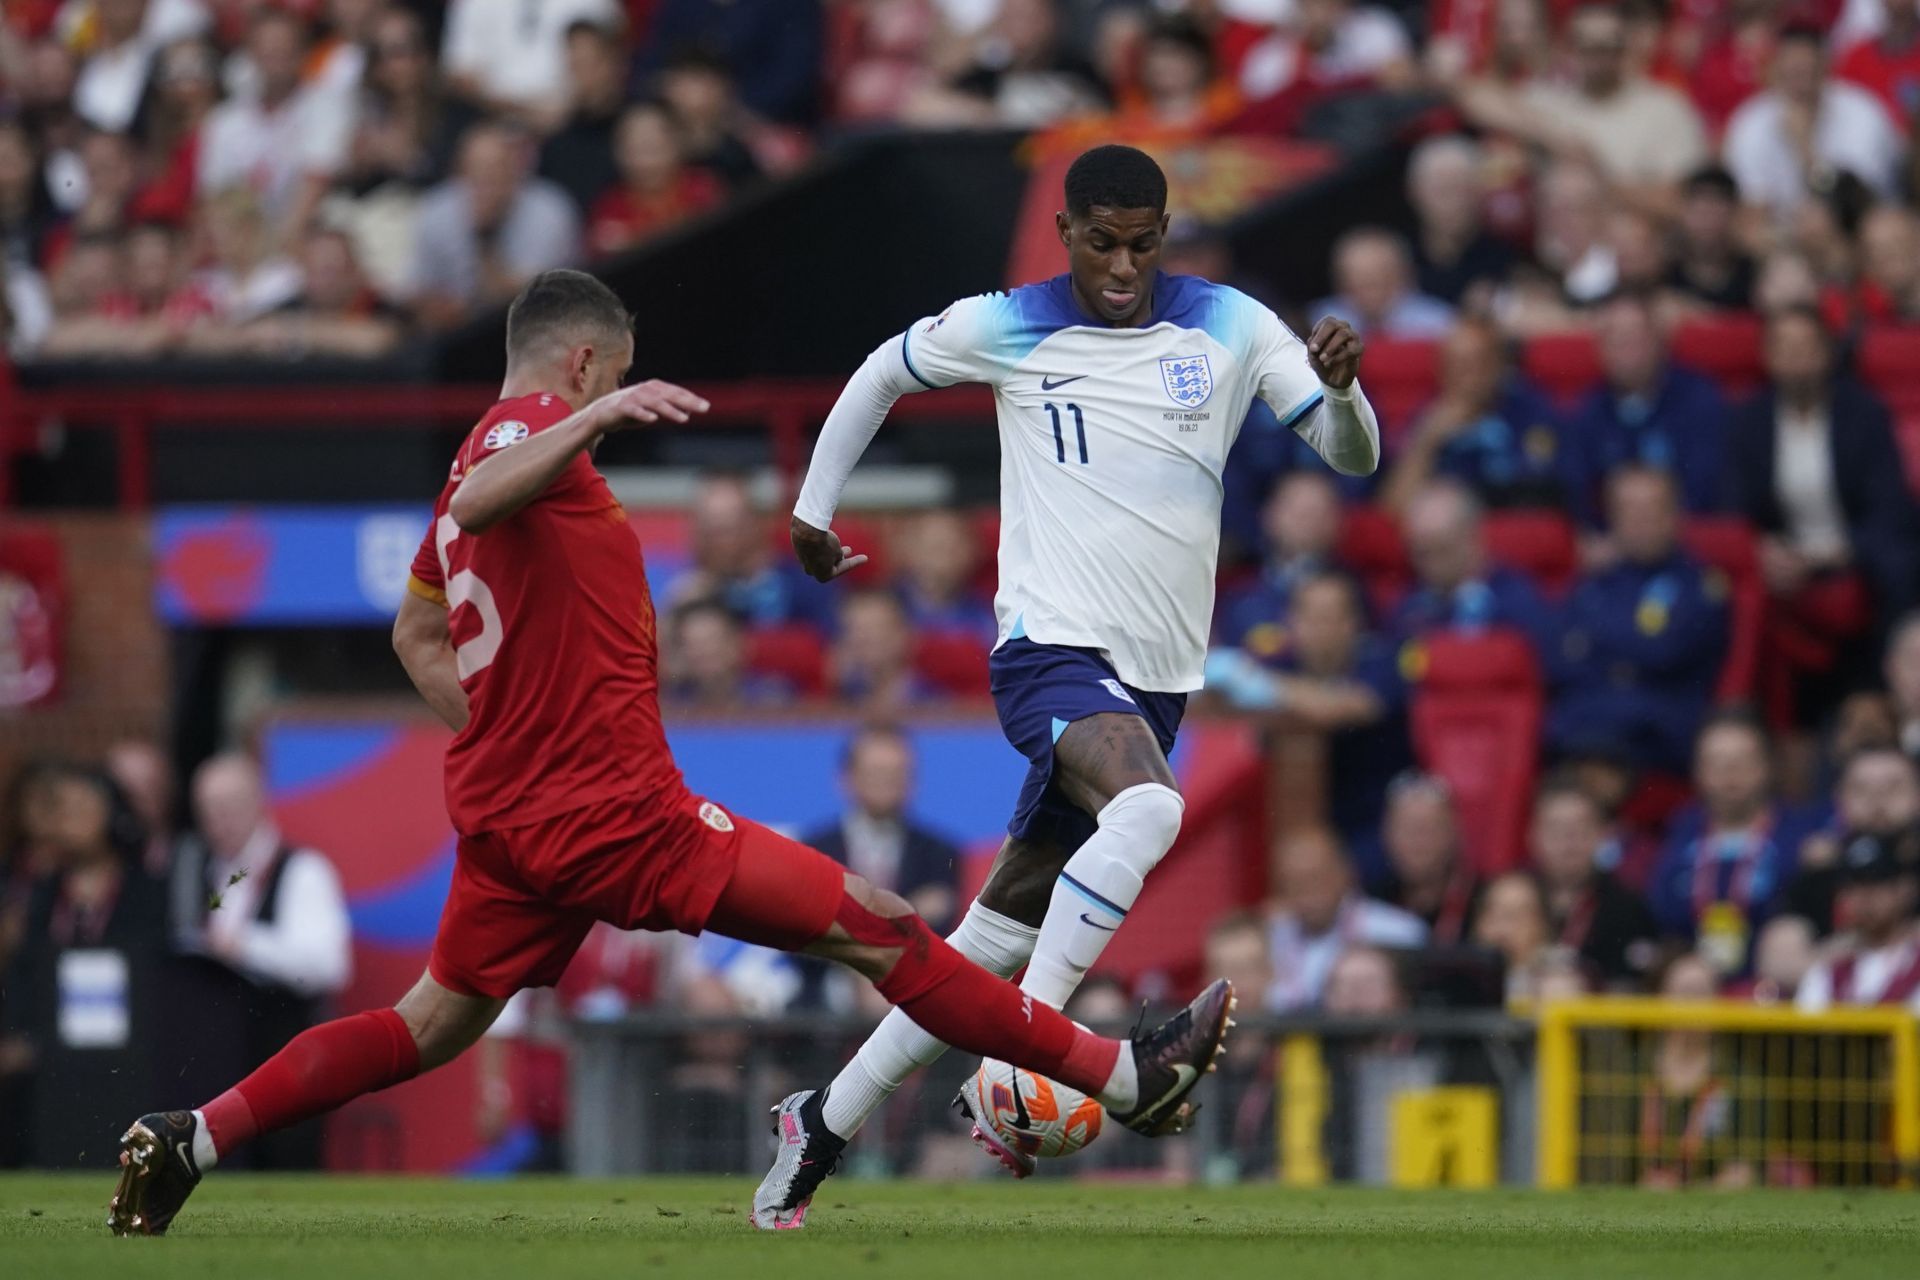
(510, 479)
(421, 642)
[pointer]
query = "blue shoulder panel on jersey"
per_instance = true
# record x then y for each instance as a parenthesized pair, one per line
(1292, 417)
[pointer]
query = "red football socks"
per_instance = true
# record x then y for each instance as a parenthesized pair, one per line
(957, 1001)
(321, 1068)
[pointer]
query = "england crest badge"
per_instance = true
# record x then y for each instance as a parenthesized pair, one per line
(1188, 380)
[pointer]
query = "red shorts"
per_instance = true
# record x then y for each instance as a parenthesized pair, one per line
(523, 899)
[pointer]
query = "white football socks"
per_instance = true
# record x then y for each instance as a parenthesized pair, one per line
(1122, 1091)
(204, 1156)
(1098, 887)
(898, 1047)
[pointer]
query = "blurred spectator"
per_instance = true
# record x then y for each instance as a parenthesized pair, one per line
(938, 560)
(246, 277)
(107, 164)
(1644, 637)
(1648, 410)
(1812, 464)
(46, 108)
(1886, 288)
(1879, 960)
(1729, 857)
(121, 36)
(181, 97)
(510, 60)
(1877, 794)
(285, 142)
(1589, 910)
(1301, 524)
(1318, 914)
(145, 776)
(1018, 73)
(1455, 588)
(1365, 983)
(876, 836)
(27, 210)
(1236, 949)
(1789, 144)
(335, 313)
(656, 188)
(1322, 49)
(579, 157)
(1512, 921)
(733, 561)
(888, 59)
(1428, 874)
(872, 660)
(1787, 279)
(1374, 289)
(1689, 1116)
(1327, 674)
(1783, 956)
(1887, 64)
(1644, 136)
(271, 910)
(1178, 91)
(26, 310)
(489, 229)
(82, 1032)
(700, 1116)
(709, 662)
(719, 133)
(88, 308)
(773, 48)
(1641, 256)
(1902, 671)
(1488, 427)
(407, 126)
(1569, 245)
(1709, 262)
(1455, 259)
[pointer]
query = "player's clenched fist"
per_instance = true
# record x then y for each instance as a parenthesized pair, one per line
(650, 401)
(1334, 352)
(820, 552)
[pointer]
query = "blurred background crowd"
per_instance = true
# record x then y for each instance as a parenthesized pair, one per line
(1609, 680)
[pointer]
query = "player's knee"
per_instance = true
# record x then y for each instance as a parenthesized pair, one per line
(443, 1023)
(1148, 815)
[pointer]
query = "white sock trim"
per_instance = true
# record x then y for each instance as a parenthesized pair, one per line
(204, 1156)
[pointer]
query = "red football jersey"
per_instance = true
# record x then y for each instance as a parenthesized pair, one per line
(553, 629)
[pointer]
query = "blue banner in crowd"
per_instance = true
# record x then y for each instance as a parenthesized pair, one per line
(284, 566)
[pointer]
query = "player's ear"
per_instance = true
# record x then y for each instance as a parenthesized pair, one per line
(1064, 225)
(580, 367)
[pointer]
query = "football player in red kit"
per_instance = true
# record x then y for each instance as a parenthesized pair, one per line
(528, 628)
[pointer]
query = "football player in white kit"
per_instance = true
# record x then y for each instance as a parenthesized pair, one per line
(1119, 391)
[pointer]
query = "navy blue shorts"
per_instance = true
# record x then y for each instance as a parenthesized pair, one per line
(1040, 689)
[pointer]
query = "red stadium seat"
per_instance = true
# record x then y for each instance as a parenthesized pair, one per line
(1729, 545)
(1371, 547)
(1564, 364)
(862, 535)
(793, 651)
(1539, 544)
(1476, 715)
(957, 664)
(1402, 376)
(986, 534)
(1888, 361)
(1724, 347)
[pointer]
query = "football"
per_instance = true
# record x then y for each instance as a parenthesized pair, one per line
(1035, 1115)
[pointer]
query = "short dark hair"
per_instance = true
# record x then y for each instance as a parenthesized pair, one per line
(1711, 180)
(1741, 718)
(1563, 785)
(564, 304)
(1115, 177)
(878, 731)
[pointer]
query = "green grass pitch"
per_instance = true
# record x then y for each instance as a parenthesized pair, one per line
(257, 1228)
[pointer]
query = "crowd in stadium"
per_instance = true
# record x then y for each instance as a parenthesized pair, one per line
(1705, 539)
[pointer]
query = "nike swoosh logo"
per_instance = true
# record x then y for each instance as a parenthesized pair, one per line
(1087, 919)
(1184, 1076)
(1048, 386)
(1020, 1117)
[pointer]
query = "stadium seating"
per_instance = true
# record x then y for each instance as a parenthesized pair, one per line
(1726, 348)
(1476, 716)
(1400, 378)
(1540, 544)
(1565, 365)
(1887, 360)
(1729, 545)
(792, 651)
(954, 663)
(1371, 548)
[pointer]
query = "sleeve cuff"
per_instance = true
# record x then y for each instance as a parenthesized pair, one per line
(426, 591)
(1346, 395)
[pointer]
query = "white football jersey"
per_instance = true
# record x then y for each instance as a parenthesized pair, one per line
(1112, 445)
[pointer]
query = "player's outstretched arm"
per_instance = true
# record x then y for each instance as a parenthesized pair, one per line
(849, 429)
(507, 481)
(1345, 431)
(421, 642)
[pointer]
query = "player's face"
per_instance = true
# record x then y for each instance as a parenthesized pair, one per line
(1112, 255)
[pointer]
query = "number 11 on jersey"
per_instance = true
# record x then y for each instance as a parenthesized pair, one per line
(1059, 437)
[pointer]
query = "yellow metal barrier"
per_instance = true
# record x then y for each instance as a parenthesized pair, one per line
(1659, 1092)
